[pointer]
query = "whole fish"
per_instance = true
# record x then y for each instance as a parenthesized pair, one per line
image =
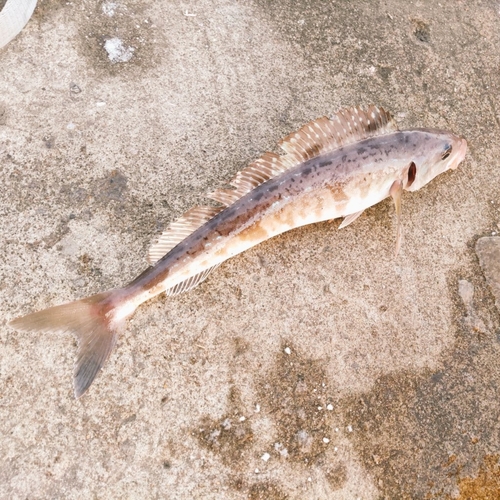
(332, 167)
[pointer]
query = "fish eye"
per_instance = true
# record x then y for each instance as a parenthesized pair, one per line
(446, 153)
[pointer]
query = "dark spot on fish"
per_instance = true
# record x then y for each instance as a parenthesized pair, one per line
(344, 158)
(360, 151)
(364, 157)
(306, 171)
(258, 195)
(273, 188)
(323, 164)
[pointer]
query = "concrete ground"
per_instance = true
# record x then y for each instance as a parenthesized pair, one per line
(315, 366)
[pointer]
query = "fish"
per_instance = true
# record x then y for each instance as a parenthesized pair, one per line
(330, 168)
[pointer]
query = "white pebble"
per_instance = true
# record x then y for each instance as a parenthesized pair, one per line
(326, 440)
(288, 350)
(257, 408)
(242, 419)
(329, 407)
(117, 52)
(265, 457)
(320, 408)
(349, 428)
(257, 471)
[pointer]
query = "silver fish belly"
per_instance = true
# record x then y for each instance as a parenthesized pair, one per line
(332, 168)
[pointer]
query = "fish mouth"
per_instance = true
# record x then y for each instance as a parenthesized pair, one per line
(460, 154)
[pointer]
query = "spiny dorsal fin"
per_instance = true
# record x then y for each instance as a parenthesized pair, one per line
(313, 139)
(181, 229)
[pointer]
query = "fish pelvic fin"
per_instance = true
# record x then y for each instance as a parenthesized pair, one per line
(92, 321)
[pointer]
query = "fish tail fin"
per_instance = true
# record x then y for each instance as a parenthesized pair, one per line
(92, 320)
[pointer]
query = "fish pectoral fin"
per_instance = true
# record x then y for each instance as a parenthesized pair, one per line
(396, 192)
(350, 218)
(190, 283)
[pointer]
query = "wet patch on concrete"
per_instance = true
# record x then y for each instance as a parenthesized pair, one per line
(484, 486)
(118, 38)
(418, 434)
(296, 395)
(227, 437)
(266, 490)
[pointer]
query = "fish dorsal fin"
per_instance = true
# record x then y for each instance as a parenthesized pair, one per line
(313, 139)
(180, 230)
(317, 137)
(345, 127)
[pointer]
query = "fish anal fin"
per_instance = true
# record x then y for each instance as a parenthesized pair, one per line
(350, 218)
(181, 229)
(396, 192)
(190, 283)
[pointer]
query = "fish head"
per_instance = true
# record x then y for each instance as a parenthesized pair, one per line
(440, 151)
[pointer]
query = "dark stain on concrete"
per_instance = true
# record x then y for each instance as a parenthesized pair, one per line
(418, 434)
(336, 476)
(45, 8)
(129, 23)
(266, 490)
(421, 31)
(293, 393)
(484, 486)
(228, 437)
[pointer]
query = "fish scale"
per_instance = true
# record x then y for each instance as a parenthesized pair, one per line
(332, 167)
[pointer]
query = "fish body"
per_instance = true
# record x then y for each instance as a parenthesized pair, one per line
(332, 168)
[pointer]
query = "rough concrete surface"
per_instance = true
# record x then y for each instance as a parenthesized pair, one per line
(316, 365)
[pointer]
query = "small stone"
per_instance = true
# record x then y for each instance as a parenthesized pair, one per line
(117, 51)
(349, 428)
(466, 292)
(326, 440)
(242, 419)
(488, 251)
(329, 407)
(265, 457)
(257, 408)
(288, 350)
